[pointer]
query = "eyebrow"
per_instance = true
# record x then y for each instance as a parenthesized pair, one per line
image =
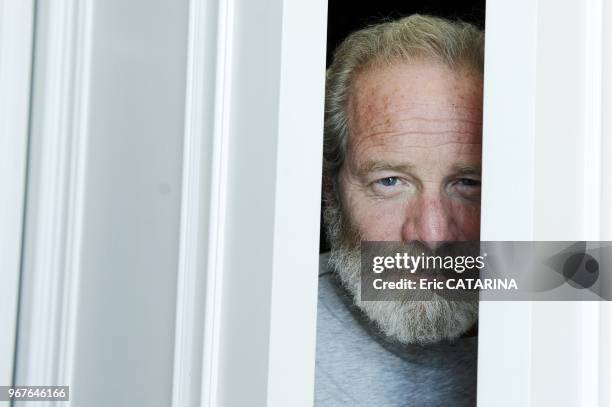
(408, 168)
(373, 166)
(465, 169)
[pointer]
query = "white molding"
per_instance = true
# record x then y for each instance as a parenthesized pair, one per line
(218, 203)
(250, 204)
(605, 348)
(273, 200)
(297, 205)
(508, 132)
(16, 34)
(593, 60)
(592, 343)
(55, 194)
(606, 122)
(546, 178)
(203, 203)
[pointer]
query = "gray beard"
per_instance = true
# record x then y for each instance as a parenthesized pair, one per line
(409, 320)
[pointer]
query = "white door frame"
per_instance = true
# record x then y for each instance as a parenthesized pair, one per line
(249, 199)
(16, 32)
(247, 264)
(246, 311)
(547, 176)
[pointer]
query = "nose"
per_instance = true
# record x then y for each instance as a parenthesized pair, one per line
(430, 220)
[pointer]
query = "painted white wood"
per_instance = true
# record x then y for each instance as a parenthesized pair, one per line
(561, 171)
(297, 205)
(47, 313)
(546, 178)
(605, 349)
(605, 315)
(251, 195)
(16, 32)
(103, 205)
(132, 209)
(592, 341)
(174, 136)
(272, 212)
(606, 121)
(508, 161)
(203, 203)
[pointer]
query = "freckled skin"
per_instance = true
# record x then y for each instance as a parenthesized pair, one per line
(414, 154)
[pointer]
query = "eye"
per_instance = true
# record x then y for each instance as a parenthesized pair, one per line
(467, 188)
(468, 182)
(388, 181)
(389, 186)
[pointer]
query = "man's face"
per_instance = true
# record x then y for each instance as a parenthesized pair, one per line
(412, 171)
(412, 174)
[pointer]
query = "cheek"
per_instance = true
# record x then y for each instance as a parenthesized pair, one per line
(383, 221)
(466, 217)
(379, 221)
(376, 220)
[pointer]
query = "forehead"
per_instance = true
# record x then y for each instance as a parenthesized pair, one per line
(409, 107)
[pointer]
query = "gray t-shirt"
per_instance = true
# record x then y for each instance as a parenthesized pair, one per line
(357, 366)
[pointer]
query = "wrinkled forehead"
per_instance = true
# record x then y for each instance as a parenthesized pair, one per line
(417, 85)
(415, 104)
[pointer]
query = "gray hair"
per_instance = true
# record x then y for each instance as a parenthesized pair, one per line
(456, 44)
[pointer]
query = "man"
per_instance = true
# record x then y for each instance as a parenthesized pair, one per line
(403, 131)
